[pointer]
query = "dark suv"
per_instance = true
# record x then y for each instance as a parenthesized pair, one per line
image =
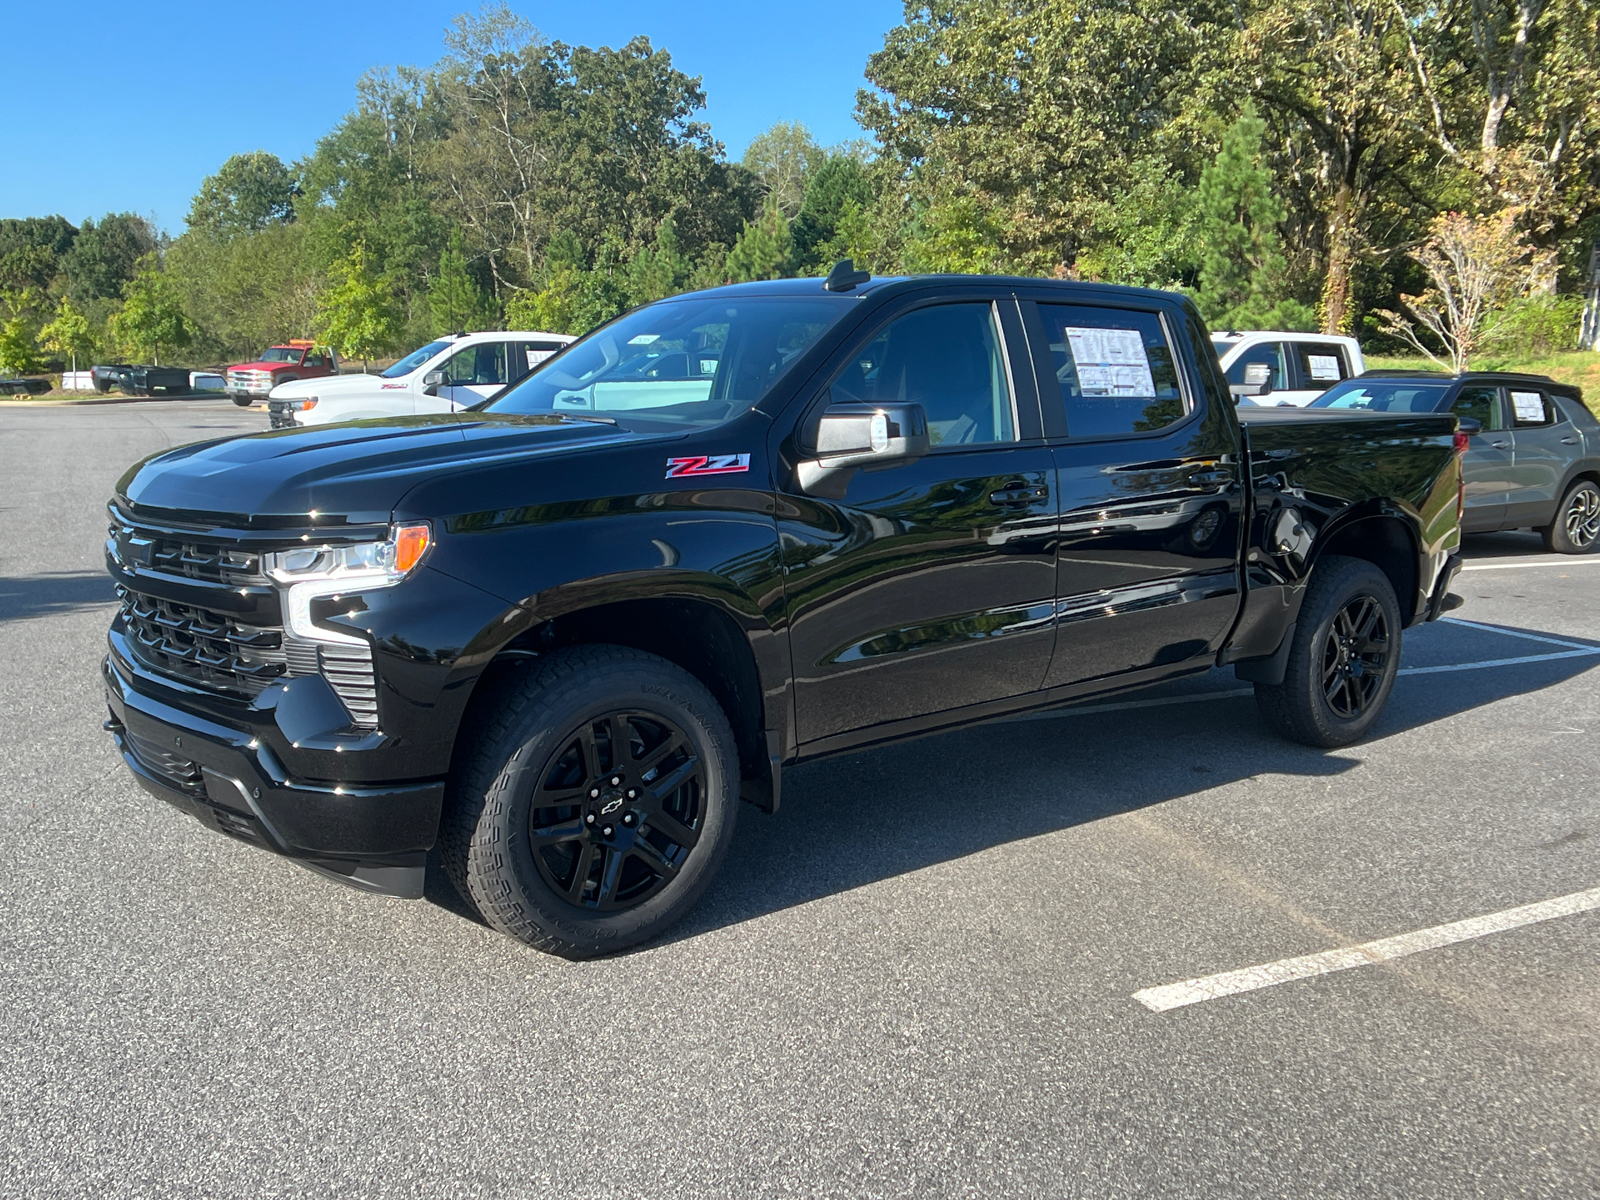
(1534, 456)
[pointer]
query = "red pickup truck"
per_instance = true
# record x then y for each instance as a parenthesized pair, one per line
(249, 382)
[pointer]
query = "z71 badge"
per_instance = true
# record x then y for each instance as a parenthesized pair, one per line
(707, 464)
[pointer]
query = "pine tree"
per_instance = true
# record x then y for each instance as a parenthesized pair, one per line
(455, 299)
(762, 251)
(1243, 273)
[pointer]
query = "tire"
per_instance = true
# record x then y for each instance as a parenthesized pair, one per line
(243, 401)
(1343, 660)
(1576, 529)
(547, 729)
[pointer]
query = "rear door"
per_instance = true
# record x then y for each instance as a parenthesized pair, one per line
(1543, 445)
(1486, 470)
(1150, 478)
(928, 585)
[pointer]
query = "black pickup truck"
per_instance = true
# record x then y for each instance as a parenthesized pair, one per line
(139, 379)
(563, 634)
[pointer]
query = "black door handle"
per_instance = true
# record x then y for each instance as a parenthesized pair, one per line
(1019, 495)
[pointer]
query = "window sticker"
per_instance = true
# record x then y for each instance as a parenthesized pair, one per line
(1529, 406)
(1110, 362)
(535, 357)
(644, 339)
(1323, 366)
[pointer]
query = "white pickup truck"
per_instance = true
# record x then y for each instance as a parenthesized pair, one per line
(448, 374)
(1289, 368)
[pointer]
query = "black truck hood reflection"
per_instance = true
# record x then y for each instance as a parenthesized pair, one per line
(351, 473)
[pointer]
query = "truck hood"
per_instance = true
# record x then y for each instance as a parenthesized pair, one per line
(262, 365)
(334, 385)
(349, 474)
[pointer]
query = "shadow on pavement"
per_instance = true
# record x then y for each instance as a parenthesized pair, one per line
(44, 595)
(860, 818)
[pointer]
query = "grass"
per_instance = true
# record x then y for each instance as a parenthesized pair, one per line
(1580, 368)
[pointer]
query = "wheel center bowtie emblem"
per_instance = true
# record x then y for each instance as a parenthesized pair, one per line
(611, 807)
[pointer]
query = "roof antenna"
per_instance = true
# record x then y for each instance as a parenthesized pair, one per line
(844, 277)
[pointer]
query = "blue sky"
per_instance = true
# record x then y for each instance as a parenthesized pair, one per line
(166, 91)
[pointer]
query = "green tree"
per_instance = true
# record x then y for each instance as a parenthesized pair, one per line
(839, 183)
(1243, 274)
(557, 307)
(18, 336)
(455, 299)
(1148, 235)
(763, 249)
(104, 257)
(659, 270)
(357, 314)
(152, 313)
(248, 290)
(68, 333)
(31, 250)
(249, 192)
(783, 157)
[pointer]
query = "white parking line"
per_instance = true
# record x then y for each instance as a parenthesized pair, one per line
(1520, 633)
(1286, 970)
(1521, 566)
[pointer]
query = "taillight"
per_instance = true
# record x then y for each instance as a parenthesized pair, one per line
(1463, 441)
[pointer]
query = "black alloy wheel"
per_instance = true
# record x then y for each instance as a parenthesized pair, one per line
(1344, 656)
(1355, 651)
(595, 799)
(618, 811)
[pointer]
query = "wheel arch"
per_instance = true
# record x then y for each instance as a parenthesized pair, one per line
(697, 629)
(1383, 537)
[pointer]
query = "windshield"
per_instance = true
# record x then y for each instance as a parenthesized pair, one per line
(1385, 395)
(415, 359)
(284, 354)
(678, 363)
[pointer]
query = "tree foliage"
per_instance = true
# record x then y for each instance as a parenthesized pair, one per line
(104, 257)
(152, 317)
(358, 315)
(249, 193)
(69, 333)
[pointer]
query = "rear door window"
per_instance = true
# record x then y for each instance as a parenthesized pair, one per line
(1114, 368)
(1321, 364)
(1530, 409)
(483, 364)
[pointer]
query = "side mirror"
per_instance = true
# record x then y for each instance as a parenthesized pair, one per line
(850, 436)
(1469, 425)
(1257, 381)
(432, 382)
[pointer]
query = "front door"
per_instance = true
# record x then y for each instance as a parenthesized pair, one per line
(471, 374)
(929, 585)
(1149, 472)
(1486, 469)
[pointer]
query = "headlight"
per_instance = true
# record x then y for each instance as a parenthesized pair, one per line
(309, 572)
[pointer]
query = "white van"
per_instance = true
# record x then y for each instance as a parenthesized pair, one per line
(443, 376)
(1291, 368)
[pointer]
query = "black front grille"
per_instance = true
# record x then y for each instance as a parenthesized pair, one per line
(206, 647)
(280, 413)
(158, 760)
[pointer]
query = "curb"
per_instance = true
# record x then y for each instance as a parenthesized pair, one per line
(65, 403)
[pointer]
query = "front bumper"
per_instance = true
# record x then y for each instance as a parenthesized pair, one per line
(372, 836)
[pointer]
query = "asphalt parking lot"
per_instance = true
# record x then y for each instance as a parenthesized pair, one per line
(919, 978)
